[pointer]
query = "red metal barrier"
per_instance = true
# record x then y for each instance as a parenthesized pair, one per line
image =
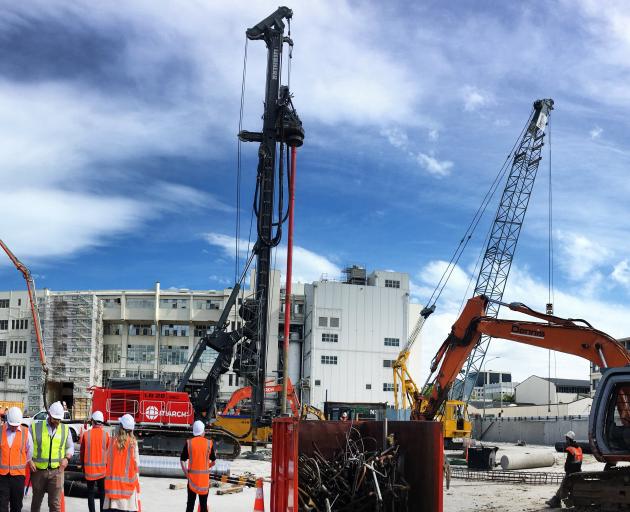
(284, 475)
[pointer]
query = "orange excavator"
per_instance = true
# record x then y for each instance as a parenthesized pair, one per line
(609, 423)
(232, 421)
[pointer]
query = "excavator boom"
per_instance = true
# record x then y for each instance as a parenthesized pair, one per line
(562, 335)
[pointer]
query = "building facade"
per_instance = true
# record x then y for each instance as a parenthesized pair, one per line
(354, 332)
(92, 336)
(539, 391)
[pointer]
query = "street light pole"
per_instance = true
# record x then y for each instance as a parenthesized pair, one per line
(483, 371)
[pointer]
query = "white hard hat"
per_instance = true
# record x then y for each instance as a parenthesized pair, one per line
(570, 434)
(127, 422)
(98, 416)
(14, 416)
(198, 428)
(344, 414)
(56, 410)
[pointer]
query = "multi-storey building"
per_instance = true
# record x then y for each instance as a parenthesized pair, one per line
(342, 333)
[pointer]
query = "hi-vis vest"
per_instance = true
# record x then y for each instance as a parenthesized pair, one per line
(576, 451)
(13, 458)
(199, 464)
(121, 478)
(95, 453)
(47, 452)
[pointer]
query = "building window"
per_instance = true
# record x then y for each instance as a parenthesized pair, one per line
(329, 359)
(230, 379)
(19, 324)
(17, 347)
(139, 303)
(388, 386)
(392, 342)
(4, 325)
(368, 386)
(318, 382)
(139, 354)
(328, 337)
(19, 302)
(142, 330)
(112, 329)
(3, 347)
(323, 321)
(298, 309)
(174, 303)
(111, 303)
(388, 363)
(2, 374)
(4, 303)
(207, 304)
(17, 372)
(109, 374)
(174, 330)
(334, 322)
(203, 330)
(173, 354)
(111, 353)
(392, 283)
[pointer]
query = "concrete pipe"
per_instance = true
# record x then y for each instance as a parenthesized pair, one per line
(157, 465)
(527, 460)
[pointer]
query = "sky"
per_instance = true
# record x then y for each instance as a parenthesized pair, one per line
(119, 153)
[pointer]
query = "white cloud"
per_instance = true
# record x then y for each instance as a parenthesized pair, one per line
(396, 137)
(474, 98)
(596, 132)
(581, 256)
(621, 273)
(434, 166)
(434, 134)
(308, 266)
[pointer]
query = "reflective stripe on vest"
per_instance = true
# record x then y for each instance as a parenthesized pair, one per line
(13, 458)
(121, 479)
(199, 464)
(47, 451)
(95, 461)
(576, 451)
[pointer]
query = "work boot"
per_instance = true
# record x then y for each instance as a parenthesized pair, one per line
(554, 502)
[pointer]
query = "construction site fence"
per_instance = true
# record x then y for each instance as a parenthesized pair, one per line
(532, 430)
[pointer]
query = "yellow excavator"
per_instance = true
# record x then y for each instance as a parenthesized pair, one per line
(454, 416)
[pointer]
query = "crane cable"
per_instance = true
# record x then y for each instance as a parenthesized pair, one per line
(472, 226)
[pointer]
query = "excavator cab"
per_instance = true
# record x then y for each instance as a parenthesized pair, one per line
(609, 424)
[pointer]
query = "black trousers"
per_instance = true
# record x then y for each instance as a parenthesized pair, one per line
(94, 487)
(11, 491)
(203, 501)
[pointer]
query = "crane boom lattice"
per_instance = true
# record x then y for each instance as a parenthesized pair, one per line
(505, 231)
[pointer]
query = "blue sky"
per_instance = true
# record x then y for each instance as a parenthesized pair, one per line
(118, 144)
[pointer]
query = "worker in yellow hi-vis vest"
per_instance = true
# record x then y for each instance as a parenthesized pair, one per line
(52, 449)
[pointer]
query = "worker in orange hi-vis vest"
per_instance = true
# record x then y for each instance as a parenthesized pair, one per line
(94, 446)
(572, 464)
(200, 454)
(16, 450)
(122, 484)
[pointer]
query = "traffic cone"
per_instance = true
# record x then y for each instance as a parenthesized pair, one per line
(259, 504)
(63, 502)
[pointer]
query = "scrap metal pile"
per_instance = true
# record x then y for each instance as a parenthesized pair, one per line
(360, 477)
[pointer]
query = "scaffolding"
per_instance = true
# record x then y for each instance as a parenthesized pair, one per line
(73, 342)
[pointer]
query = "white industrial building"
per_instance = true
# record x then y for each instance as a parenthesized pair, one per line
(151, 334)
(539, 390)
(354, 332)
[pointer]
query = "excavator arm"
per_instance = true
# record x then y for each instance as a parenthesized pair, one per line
(562, 335)
(246, 393)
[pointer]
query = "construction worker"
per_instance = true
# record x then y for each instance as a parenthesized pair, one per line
(122, 484)
(52, 450)
(94, 446)
(200, 454)
(16, 450)
(572, 464)
(344, 416)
